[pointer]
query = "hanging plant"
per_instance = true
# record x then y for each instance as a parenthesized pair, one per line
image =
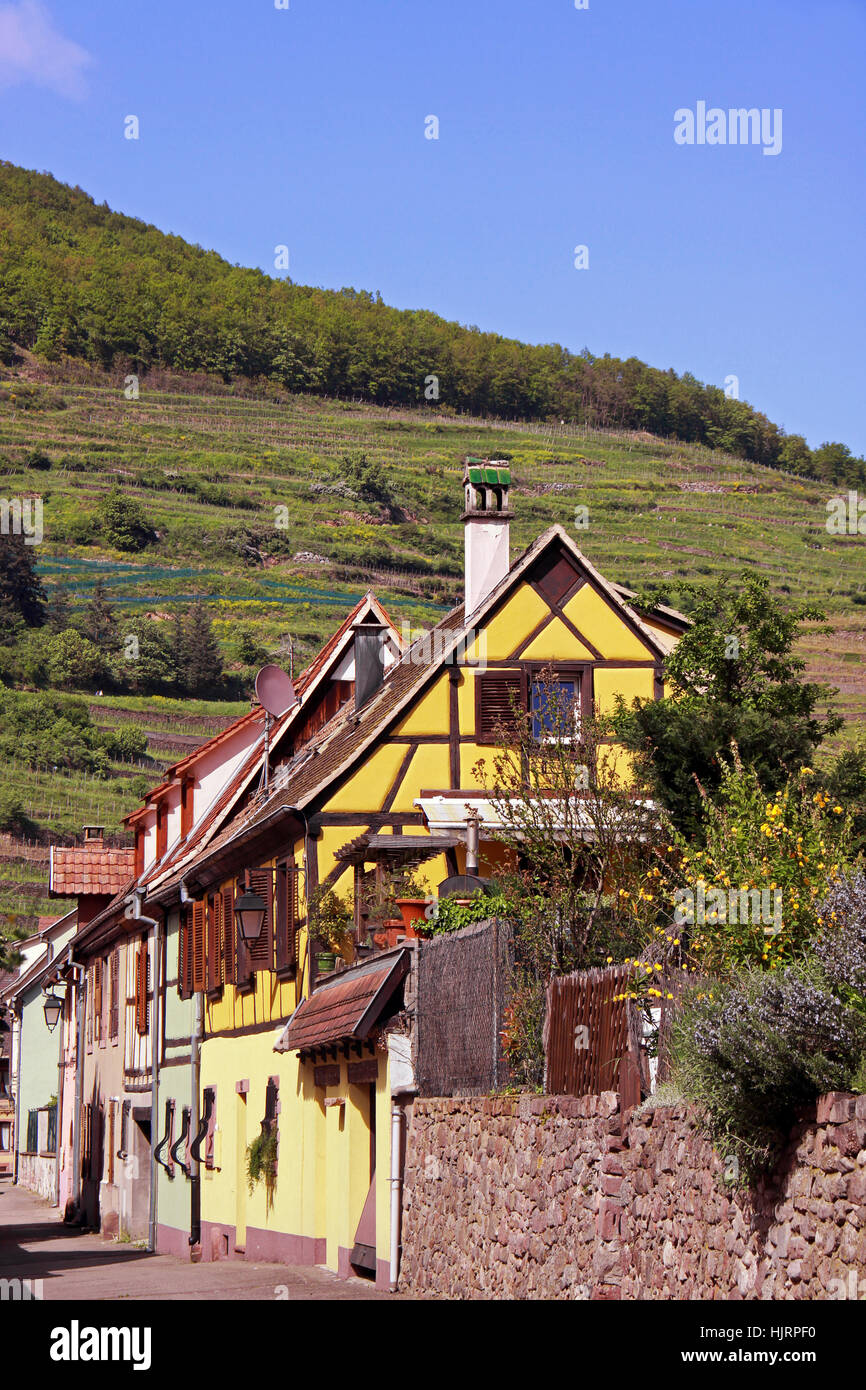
(262, 1160)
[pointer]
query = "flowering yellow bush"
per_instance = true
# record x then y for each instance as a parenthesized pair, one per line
(751, 896)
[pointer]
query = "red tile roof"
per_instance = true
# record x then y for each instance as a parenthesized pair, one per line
(346, 1006)
(89, 869)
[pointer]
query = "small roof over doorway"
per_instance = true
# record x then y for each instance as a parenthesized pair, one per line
(347, 1006)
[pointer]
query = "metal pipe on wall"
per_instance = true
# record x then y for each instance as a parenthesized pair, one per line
(80, 1006)
(194, 1167)
(396, 1182)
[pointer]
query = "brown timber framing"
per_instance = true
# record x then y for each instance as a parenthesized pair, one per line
(454, 726)
(398, 780)
(556, 611)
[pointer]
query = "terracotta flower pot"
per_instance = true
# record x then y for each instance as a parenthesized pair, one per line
(387, 935)
(413, 911)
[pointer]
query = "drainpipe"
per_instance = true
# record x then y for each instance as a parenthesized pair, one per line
(18, 1013)
(135, 914)
(58, 1118)
(194, 1166)
(195, 1084)
(80, 1003)
(396, 1190)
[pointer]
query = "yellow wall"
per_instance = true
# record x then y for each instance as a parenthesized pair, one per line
(632, 683)
(593, 616)
(323, 1167)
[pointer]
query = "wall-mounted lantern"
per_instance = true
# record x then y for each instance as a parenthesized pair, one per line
(52, 1009)
(250, 912)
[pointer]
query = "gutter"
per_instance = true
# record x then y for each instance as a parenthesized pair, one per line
(80, 1005)
(194, 1166)
(134, 913)
(17, 1013)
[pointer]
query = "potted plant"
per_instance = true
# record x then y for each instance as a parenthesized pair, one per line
(331, 918)
(379, 910)
(413, 895)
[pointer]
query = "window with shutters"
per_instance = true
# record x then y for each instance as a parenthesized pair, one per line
(114, 995)
(500, 699)
(210, 1100)
(286, 918)
(215, 964)
(142, 987)
(184, 954)
(261, 951)
(89, 1007)
(199, 913)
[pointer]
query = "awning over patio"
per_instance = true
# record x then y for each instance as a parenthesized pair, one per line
(346, 1007)
(444, 812)
(396, 850)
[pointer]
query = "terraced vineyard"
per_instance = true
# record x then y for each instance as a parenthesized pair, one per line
(206, 467)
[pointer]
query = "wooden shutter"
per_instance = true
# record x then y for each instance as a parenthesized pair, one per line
(286, 918)
(497, 695)
(229, 950)
(142, 973)
(161, 829)
(97, 1000)
(113, 996)
(186, 805)
(198, 947)
(261, 951)
(184, 955)
(215, 953)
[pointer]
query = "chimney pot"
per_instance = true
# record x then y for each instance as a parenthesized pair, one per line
(486, 527)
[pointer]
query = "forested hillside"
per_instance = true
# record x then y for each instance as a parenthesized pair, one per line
(78, 280)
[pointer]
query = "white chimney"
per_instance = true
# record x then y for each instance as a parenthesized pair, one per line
(485, 521)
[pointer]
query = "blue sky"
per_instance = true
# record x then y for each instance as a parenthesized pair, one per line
(306, 127)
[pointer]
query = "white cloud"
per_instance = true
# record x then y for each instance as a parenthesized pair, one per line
(32, 50)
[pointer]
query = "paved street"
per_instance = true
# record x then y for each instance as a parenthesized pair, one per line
(34, 1244)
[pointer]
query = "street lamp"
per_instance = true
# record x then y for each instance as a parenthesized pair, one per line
(52, 1009)
(250, 912)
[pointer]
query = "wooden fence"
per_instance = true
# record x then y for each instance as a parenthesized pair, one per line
(592, 1036)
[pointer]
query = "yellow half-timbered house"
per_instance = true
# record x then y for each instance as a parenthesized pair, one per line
(383, 780)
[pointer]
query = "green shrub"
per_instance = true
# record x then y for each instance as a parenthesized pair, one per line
(127, 744)
(262, 1160)
(754, 1052)
(13, 818)
(451, 914)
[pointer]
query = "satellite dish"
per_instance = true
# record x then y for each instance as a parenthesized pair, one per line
(275, 691)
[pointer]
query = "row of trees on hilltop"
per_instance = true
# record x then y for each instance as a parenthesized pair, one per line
(81, 281)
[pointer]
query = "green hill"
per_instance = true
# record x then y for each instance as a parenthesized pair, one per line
(81, 281)
(282, 507)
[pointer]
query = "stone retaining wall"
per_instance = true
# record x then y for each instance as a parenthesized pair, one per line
(564, 1197)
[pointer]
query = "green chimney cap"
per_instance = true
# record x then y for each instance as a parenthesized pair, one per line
(491, 475)
(475, 475)
(505, 476)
